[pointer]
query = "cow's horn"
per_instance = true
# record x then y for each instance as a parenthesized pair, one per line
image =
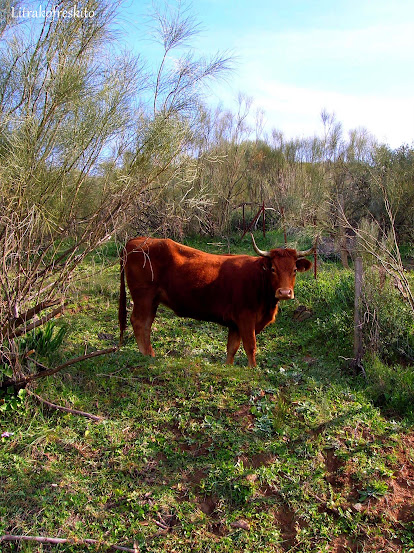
(304, 253)
(256, 249)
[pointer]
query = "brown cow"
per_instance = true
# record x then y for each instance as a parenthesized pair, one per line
(240, 292)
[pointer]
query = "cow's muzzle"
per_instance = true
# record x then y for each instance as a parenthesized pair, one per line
(285, 294)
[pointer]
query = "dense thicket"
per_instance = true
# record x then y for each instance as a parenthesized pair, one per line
(303, 182)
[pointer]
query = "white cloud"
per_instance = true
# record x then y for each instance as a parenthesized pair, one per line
(296, 111)
(362, 75)
(349, 44)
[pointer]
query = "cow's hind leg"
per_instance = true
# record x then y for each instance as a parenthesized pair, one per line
(233, 343)
(142, 317)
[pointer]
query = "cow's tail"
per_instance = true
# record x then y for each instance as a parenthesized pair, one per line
(122, 312)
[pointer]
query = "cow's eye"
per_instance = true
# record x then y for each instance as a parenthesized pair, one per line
(295, 271)
(273, 270)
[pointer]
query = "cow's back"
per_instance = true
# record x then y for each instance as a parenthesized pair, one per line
(145, 260)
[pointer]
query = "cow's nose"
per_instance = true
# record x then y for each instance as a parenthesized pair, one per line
(284, 294)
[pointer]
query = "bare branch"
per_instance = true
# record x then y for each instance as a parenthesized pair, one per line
(388, 257)
(58, 541)
(22, 382)
(65, 409)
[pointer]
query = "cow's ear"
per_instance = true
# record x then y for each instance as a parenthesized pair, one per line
(303, 265)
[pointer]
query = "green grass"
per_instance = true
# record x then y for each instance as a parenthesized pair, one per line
(197, 456)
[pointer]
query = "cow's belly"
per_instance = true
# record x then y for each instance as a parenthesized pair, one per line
(220, 314)
(193, 308)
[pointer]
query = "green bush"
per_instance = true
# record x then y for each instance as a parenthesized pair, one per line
(331, 299)
(388, 319)
(390, 386)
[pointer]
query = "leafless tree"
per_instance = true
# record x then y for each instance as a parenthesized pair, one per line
(381, 244)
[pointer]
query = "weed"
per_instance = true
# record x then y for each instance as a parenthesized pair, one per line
(229, 482)
(5, 371)
(12, 401)
(374, 490)
(43, 340)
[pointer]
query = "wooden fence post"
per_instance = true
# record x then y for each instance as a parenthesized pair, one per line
(358, 345)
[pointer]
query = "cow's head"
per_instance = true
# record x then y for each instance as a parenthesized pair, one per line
(283, 265)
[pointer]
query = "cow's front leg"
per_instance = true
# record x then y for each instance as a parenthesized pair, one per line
(248, 335)
(233, 343)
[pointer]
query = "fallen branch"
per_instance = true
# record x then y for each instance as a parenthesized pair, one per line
(66, 409)
(20, 331)
(56, 541)
(31, 377)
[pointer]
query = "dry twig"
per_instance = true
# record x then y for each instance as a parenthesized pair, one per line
(58, 541)
(22, 382)
(66, 409)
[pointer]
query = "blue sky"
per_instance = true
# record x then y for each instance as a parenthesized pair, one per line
(295, 58)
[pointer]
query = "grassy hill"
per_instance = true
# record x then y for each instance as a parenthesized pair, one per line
(192, 455)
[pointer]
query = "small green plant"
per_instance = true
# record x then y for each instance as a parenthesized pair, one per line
(228, 481)
(374, 490)
(307, 410)
(45, 340)
(5, 371)
(270, 415)
(10, 400)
